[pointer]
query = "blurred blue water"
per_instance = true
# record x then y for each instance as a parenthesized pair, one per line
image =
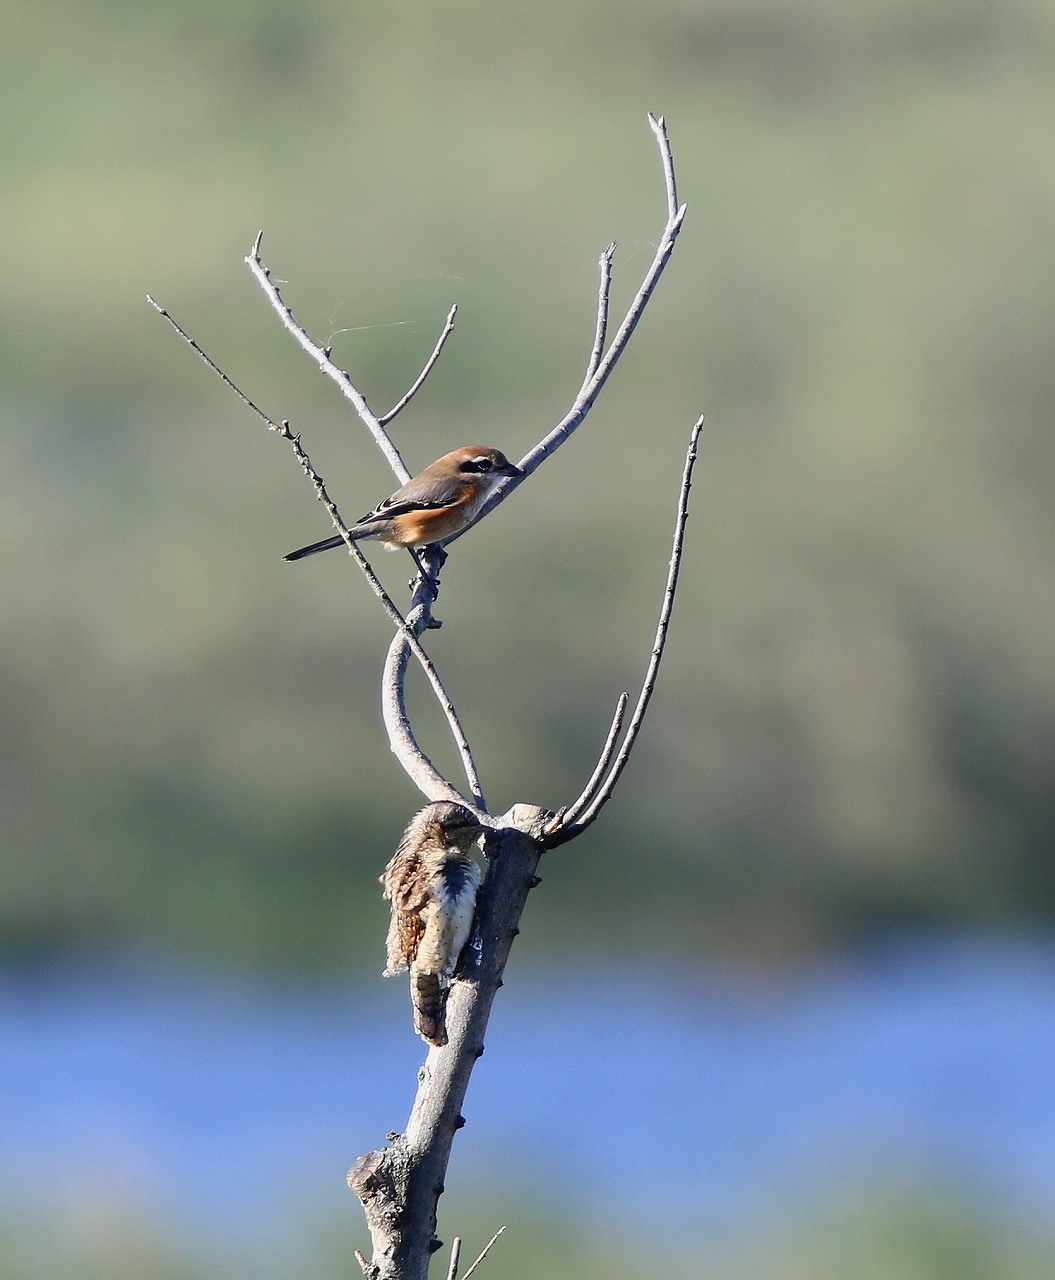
(664, 1092)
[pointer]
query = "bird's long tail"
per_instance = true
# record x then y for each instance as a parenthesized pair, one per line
(428, 994)
(327, 544)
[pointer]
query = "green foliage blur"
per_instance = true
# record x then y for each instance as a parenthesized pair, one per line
(855, 726)
(901, 1230)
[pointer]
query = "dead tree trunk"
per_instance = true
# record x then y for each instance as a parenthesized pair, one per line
(400, 1185)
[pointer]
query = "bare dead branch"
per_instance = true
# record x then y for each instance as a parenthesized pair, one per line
(401, 738)
(484, 1253)
(400, 405)
(407, 633)
(601, 330)
(321, 356)
(584, 400)
(591, 387)
(560, 832)
(584, 797)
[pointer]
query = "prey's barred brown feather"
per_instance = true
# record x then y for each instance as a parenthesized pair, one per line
(431, 882)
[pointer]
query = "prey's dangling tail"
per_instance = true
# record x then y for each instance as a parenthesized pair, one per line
(428, 994)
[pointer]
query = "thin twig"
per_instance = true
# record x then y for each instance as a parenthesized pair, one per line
(448, 329)
(573, 810)
(591, 387)
(601, 331)
(407, 632)
(365, 1267)
(321, 356)
(487, 1249)
(456, 1249)
(559, 834)
(208, 360)
(659, 128)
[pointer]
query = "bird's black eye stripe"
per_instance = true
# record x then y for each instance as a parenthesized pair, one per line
(478, 464)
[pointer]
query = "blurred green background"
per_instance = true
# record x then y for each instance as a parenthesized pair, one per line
(855, 726)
